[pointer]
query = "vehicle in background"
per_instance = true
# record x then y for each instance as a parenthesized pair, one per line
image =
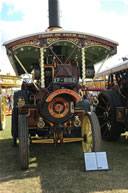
(112, 109)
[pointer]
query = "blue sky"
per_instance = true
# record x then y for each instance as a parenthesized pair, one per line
(118, 6)
(106, 18)
(9, 14)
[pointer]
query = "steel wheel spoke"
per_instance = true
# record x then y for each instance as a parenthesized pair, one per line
(104, 100)
(100, 116)
(105, 131)
(108, 107)
(101, 107)
(103, 124)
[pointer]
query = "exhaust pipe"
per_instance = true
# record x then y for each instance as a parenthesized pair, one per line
(54, 19)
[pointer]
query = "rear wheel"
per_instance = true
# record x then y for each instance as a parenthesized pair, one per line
(23, 141)
(91, 133)
(2, 112)
(106, 113)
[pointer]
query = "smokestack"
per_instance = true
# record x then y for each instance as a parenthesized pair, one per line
(54, 12)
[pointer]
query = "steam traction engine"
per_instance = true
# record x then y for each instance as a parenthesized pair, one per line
(50, 109)
(112, 110)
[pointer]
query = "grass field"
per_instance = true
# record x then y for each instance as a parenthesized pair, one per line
(61, 169)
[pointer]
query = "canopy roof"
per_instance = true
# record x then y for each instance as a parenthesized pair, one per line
(118, 68)
(27, 48)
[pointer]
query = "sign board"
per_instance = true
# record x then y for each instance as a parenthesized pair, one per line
(95, 161)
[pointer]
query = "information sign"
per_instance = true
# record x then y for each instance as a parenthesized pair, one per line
(95, 161)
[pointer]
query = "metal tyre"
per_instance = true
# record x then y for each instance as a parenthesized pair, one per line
(14, 126)
(91, 133)
(23, 141)
(106, 113)
(2, 112)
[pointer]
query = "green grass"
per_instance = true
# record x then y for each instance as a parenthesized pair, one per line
(61, 169)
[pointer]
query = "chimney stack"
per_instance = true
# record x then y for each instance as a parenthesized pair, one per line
(54, 15)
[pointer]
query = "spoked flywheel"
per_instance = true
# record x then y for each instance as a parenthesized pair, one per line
(106, 113)
(2, 112)
(91, 133)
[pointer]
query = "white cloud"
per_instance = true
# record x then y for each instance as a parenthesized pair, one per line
(30, 9)
(90, 18)
(34, 20)
(83, 15)
(125, 1)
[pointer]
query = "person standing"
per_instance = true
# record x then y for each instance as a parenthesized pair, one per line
(10, 102)
(86, 104)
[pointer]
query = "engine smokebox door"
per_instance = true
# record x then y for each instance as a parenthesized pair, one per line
(59, 109)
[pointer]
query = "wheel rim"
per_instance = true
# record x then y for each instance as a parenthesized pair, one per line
(87, 143)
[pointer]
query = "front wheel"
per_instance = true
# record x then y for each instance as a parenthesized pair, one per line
(23, 141)
(14, 126)
(91, 133)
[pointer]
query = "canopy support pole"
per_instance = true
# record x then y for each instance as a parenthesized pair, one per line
(99, 69)
(25, 71)
(102, 64)
(83, 67)
(42, 67)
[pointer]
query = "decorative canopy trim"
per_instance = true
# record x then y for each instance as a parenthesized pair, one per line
(27, 48)
(44, 39)
(45, 43)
